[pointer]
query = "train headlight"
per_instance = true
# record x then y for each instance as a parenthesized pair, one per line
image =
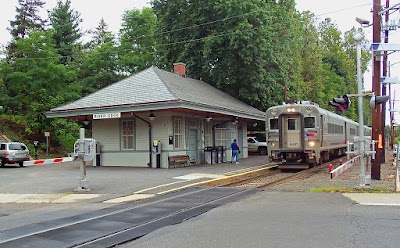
(311, 143)
(291, 110)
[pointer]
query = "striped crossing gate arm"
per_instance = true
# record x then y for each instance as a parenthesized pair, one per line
(49, 161)
(339, 170)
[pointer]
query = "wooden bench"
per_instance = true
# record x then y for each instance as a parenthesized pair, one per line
(178, 161)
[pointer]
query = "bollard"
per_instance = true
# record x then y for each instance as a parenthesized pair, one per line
(330, 167)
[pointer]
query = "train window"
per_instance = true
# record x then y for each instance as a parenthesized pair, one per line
(273, 124)
(309, 122)
(292, 124)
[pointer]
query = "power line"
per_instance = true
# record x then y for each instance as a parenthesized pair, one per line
(344, 9)
(190, 27)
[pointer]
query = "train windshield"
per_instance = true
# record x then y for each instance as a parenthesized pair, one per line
(273, 124)
(309, 122)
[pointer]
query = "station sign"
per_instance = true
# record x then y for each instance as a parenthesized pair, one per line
(106, 116)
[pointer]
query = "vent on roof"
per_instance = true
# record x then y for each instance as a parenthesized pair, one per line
(180, 69)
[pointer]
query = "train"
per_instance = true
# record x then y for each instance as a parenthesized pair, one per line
(301, 134)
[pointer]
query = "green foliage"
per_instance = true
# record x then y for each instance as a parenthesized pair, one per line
(26, 19)
(241, 47)
(65, 23)
(350, 190)
(136, 51)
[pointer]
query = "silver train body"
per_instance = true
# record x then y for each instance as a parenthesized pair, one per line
(301, 135)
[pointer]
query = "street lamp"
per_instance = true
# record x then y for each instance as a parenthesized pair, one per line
(363, 22)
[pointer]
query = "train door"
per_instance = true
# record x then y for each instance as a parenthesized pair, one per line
(291, 131)
(321, 128)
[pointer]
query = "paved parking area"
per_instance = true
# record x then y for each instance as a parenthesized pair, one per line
(55, 183)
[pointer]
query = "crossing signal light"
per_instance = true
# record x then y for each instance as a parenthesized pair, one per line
(376, 100)
(341, 103)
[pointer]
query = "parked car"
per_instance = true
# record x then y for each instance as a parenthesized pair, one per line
(13, 152)
(256, 146)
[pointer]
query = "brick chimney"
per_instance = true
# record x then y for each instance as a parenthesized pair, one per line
(180, 69)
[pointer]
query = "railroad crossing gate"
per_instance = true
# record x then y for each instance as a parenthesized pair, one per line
(49, 161)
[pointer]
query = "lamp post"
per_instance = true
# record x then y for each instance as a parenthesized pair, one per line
(358, 38)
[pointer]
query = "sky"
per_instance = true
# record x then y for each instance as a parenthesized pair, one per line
(341, 12)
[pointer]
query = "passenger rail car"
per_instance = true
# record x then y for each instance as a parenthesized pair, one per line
(301, 135)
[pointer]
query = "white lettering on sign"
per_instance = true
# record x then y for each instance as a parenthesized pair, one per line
(106, 116)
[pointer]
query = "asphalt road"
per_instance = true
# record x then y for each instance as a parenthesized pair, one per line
(284, 219)
(267, 219)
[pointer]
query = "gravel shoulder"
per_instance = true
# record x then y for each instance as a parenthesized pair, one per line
(348, 179)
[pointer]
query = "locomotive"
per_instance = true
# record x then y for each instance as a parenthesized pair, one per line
(302, 134)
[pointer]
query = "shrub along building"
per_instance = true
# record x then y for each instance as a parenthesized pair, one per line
(180, 115)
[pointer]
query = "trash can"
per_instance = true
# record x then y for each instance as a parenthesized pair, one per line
(98, 154)
(208, 155)
(214, 155)
(223, 154)
(220, 155)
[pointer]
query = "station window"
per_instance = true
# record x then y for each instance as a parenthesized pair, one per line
(221, 136)
(208, 134)
(178, 133)
(127, 135)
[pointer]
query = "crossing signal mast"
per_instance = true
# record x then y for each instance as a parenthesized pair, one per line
(376, 100)
(341, 104)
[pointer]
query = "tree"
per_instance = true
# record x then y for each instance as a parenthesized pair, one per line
(101, 35)
(137, 50)
(309, 59)
(241, 47)
(65, 23)
(27, 19)
(37, 81)
(98, 66)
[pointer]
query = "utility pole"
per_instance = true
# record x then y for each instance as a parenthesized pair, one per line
(385, 73)
(376, 88)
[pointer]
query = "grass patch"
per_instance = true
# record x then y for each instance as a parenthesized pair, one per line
(351, 190)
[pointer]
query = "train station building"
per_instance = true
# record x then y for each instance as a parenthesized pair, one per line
(154, 116)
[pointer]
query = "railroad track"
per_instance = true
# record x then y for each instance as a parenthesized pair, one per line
(122, 223)
(276, 177)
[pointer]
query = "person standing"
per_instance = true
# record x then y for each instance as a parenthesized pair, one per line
(235, 152)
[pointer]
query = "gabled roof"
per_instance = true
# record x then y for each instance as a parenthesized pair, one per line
(154, 89)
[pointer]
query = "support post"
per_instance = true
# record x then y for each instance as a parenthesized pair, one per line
(83, 183)
(358, 38)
